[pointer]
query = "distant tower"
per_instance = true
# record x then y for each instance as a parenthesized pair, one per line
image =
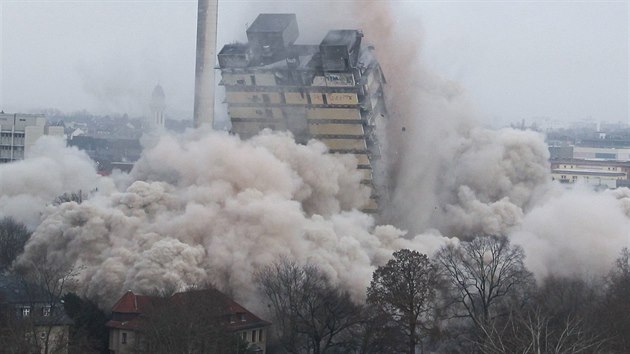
(157, 107)
(206, 56)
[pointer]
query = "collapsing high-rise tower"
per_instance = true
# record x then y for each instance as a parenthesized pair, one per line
(332, 92)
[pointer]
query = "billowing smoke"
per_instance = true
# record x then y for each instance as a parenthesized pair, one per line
(208, 207)
(451, 174)
(28, 186)
(576, 233)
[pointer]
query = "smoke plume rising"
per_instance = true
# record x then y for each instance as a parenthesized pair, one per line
(28, 186)
(449, 173)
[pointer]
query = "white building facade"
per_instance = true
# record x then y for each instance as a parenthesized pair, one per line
(18, 133)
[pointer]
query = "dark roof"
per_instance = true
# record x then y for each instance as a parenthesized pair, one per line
(570, 171)
(572, 161)
(231, 307)
(340, 37)
(14, 289)
(234, 48)
(271, 22)
(131, 303)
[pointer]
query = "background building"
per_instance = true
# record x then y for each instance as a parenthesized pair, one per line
(597, 173)
(158, 104)
(18, 133)
(331, 91)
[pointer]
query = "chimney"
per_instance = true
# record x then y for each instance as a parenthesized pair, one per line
(206, 54)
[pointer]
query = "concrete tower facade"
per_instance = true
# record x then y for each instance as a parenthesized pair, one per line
(331, 91)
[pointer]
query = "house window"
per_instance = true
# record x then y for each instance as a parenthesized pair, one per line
(124, 338)
(26, 311)
(46, 311)
(254, 336)
(260, 335)
(242, 316)
(243, 335)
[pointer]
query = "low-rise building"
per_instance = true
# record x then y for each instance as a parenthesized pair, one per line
(31, 320)
(134, 316)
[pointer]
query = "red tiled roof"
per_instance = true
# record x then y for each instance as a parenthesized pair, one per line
(132, 303)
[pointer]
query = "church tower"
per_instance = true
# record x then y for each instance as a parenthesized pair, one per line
(158, 104)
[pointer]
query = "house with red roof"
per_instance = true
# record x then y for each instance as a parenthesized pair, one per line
(190, 319)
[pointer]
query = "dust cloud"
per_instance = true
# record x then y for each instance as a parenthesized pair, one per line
(206, 206)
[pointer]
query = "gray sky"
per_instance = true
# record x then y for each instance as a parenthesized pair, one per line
(564, 60)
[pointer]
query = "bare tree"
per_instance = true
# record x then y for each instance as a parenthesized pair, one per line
(53, 282)
(485, 277)
(13, 237)
(612, 314)
(76, 197)
(310, 315)
(193, 321)
(405, 289)
(533, 330)
(380, 333)
(35, 317)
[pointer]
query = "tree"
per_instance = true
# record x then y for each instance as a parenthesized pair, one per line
(67, 197)
(532, 330)
(485, 278)
(189, 322)
(557, 319)
(34, 319)
(380, 334)
(614, 308)
(13, 237)
(309, 313)
(405, 289)
(88, 333)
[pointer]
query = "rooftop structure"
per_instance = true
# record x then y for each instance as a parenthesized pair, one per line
(331, 91)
